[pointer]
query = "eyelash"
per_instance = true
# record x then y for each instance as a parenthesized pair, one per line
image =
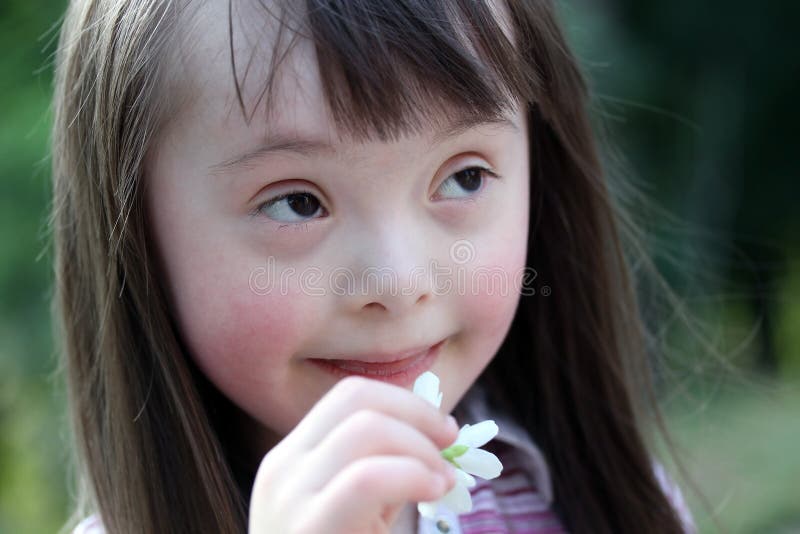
(484, 171)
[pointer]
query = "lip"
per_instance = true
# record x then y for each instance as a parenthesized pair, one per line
(398, 368)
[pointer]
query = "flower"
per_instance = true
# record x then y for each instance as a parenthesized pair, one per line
(427, 386)
(465, 455)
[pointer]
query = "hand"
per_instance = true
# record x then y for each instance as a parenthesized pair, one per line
(360, 454)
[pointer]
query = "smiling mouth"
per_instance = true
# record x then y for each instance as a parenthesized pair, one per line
(397, 371)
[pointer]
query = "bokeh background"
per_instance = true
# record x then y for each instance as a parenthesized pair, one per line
(698, 104)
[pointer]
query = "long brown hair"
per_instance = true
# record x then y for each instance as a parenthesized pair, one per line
(152, 449)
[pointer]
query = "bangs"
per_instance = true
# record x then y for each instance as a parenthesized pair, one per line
(395, 68)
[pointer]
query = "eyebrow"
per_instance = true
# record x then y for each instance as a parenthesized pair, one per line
(291, 144)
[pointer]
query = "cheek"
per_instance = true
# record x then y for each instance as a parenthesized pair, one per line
(494, 280)
(490, 300)
(494, 283)
(237, 336)
(485, 310)
(254, 331)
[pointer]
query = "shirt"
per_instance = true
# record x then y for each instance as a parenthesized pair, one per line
(517, 502)
(520, 499)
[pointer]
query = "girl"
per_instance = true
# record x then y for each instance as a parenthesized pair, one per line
(224, 176)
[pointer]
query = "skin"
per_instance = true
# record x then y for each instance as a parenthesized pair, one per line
(385, 206)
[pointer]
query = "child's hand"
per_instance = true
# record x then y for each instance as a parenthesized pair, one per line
(360, 454)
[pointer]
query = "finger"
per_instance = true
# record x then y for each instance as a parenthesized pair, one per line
(359, 494)
(353, 393)
(368, 433)
(390, 513)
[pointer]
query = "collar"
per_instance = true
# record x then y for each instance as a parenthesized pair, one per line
(474, 408)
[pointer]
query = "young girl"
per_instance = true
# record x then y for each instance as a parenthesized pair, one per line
(225, 173)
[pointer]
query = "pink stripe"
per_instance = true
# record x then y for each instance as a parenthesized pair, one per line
(525, 509)
(542, 517)
(475, 492)
(521, 506)
(507, 472)
(478, 515)
(547, 530)
(493, 513)
(506, 484)
(502, 530)
(517, 491)
(515, 526)
(518, 477)
(503, 495)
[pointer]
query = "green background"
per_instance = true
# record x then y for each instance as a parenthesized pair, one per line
(698, 100)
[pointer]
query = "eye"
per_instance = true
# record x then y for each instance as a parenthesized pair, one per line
(296, 206)
(464, 183)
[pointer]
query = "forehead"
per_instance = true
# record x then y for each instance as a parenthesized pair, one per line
(225, 55)
(241, 61)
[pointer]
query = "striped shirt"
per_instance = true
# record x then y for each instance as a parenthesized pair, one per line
(519, 500)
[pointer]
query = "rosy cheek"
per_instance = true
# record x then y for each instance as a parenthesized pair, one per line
(491, 297)
(237, 335)
(261, 325)
(495, 283)
(491, 308)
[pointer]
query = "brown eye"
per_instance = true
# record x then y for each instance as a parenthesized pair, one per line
(303, 204)
(469, 179)
(464, 183)
(291, 207)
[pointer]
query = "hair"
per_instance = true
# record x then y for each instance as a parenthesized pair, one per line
(156, 450)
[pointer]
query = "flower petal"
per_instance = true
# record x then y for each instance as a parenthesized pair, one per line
(428, 509)
(480, 463)
(465, 478)
(477, 435)
(458, 499)
(427, 387)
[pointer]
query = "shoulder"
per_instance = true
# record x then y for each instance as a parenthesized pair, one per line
(90, 525)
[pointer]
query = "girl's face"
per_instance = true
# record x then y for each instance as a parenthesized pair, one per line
(260, 284)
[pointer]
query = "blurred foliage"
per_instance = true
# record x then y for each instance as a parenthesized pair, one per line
(698, 97)
(700, 100)
(33, 491)
(741, 450)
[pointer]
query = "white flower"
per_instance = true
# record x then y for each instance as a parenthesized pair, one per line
(464, 454)
(427, 386)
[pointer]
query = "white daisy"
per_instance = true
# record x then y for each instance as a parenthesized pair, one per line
(465, 454)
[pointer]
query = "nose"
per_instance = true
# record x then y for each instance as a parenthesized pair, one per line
(389, 272)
